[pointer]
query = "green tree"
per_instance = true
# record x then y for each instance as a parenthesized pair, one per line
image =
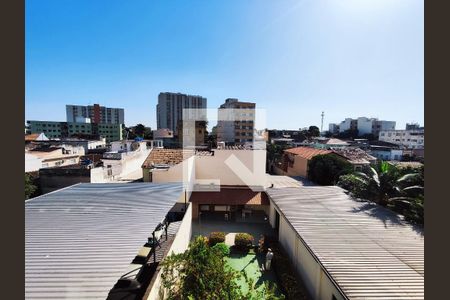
(139, 130)
(326, 169)
(202, 273)
(313, 131)
(274, 154)
(401, 190)
(30, 188)
(349, 134)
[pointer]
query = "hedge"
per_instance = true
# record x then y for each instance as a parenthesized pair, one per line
(243, 241)
(216, 237)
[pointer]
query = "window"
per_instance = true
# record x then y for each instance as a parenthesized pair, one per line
(204, 207)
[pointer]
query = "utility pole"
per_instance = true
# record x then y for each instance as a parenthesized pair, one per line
(321, 124)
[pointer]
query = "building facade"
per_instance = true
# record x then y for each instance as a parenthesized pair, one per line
(236, 122)
(169, 110)
(94, 114)
(333, 128)
(62, 130)
(363, 125)
(408, 139)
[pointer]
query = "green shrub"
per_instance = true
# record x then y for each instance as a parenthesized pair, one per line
(243, 241)
(222, 248)
(325, 169)
(284, 271)
(216, 237)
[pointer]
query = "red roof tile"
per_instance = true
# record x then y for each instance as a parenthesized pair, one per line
(307, 152)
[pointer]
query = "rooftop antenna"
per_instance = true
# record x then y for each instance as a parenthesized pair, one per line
(321, 124)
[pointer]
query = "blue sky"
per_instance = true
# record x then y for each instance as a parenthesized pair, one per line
(295, 59)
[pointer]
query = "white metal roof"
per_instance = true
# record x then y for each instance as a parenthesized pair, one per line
(81, 239)
(368, 251)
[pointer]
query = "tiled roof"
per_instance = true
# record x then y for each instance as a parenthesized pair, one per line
(228, 196)
(31, 137)
(167, 156)
(307, 152)
(333, 141)
(355, 155)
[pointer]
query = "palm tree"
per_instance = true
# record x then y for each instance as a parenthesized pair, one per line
(400, 190)
(379, 183)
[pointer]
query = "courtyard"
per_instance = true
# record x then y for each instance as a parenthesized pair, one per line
(251, 264)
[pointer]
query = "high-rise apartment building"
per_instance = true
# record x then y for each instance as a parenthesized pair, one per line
(236, 122)
(94, 114)
(169, 110)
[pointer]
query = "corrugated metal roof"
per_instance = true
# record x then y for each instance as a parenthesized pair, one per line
(369, 251)
(80, 240)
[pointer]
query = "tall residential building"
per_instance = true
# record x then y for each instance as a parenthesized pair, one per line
(94, 114)
(363, 125)
(61, 130)
(169, 110)
(236, 122)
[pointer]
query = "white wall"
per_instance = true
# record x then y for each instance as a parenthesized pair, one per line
(131, 162)
(345, 125)
(364, 125)
(250, 167)
(310, 271)
(32, 163)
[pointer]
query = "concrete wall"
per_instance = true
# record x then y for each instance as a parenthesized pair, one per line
(55, 179)
(207, 169)
(307, 267)
(179, 245)
(60, 161)
(32, 163)
(131, 162)
(173, 174)
(300, 167)
(250, 170)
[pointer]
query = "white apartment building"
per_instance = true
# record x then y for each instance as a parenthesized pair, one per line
(363, 125)
(347, 124)
(407, 139)
(373, 126)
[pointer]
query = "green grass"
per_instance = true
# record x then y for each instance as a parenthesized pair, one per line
(251, 265)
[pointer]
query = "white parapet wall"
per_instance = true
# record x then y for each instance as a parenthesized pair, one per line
(233, 167)
(307, 267)
(114, 169)
(179, 245)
